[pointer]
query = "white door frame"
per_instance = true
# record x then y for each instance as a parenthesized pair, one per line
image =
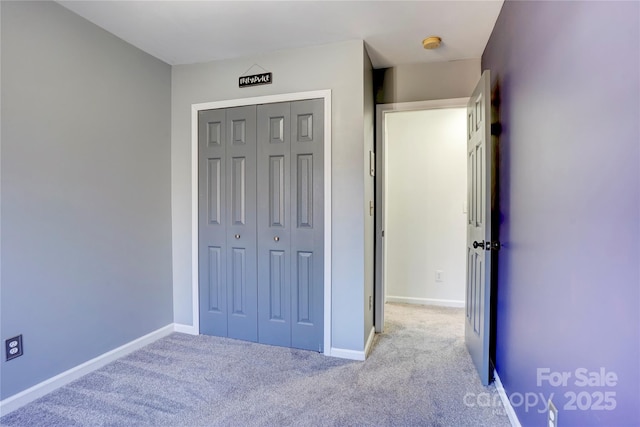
(269, 99)
(381, 209)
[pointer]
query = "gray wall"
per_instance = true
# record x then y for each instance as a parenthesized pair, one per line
(423, 82)
(568, 288)
(85, 184)
(338, 67)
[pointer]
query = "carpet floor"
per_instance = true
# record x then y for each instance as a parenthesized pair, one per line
(418, 374)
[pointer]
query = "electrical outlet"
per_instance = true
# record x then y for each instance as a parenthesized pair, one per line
(370, 302)
(439, 276)
(552, 418)
(13, 347)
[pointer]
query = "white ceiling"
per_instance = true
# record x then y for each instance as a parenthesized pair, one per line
(184, 32)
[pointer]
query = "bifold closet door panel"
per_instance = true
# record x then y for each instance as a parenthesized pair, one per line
(212, 222)
(307, 226)
(242, 289)
(274, 224)
(261, 223)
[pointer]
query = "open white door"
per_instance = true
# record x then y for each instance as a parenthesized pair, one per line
(478, 282)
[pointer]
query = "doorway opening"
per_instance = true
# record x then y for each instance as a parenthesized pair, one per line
(421, 191)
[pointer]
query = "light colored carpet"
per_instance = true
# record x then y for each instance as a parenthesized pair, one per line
(418, 374)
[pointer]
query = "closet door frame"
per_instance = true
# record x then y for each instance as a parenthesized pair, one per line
(298, 96)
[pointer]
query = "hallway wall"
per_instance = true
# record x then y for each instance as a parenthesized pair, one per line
(427, 81)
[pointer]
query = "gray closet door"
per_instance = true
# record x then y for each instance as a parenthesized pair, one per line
(261, 219)
(242, 288)
(290, 224)
(227, 222)
(307, 227)
(212, 234)
(274, 224)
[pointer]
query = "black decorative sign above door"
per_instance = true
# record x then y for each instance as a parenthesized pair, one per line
(255, 80)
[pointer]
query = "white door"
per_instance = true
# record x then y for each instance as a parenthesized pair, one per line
(478, 281)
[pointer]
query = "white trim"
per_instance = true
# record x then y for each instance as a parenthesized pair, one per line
(420, 105)
(185, 329)
(327, 221)
(426, 301)
(285, 97)
(511, 413)
(369, 345)
(381, 208)
(348, 354)
(24, 397)
(194, 218)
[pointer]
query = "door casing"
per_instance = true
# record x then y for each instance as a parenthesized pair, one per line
(380, 218)
(297, 96)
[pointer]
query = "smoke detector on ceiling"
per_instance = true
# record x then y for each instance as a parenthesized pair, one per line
(432, 42)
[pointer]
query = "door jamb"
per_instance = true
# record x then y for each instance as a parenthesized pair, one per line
(269, 99)
(380, 218)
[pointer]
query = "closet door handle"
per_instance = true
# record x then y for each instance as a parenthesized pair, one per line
(237, 236)
(277, 239)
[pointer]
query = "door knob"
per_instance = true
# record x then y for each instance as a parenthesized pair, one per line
(477, 245)
(277, 239)
(237, 236)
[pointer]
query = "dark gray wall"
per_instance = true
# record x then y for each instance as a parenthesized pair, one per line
(85, 184)
(568, 292)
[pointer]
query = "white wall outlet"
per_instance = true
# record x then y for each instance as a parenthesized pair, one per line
(439, 276)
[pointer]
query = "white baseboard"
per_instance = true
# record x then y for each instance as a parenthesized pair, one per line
(354, 354)
(18, 400)
(367, 347)
(347, 354)
(185, 329)
(426, 301)
(511, 413)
